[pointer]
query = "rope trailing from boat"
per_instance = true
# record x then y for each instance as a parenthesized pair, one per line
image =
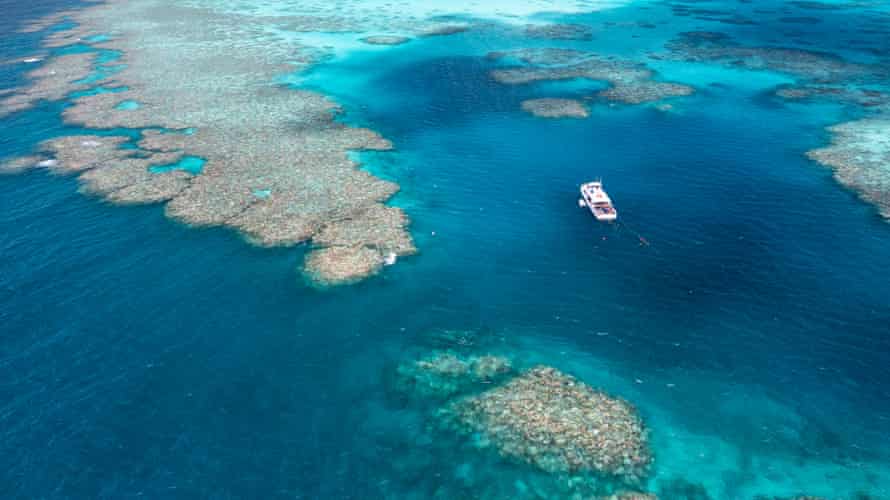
(623, 225)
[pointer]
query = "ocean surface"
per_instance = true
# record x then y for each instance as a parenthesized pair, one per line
(742, 304)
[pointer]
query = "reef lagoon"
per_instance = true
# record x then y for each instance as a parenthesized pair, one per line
(307, 249)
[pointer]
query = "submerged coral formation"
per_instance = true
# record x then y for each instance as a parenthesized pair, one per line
(19, 164)
(557, 423)
(521, 433)
(630, 82)
(358, 245)
(105, 169)
(444, 29)
(630, 495)
(556, 108)
(681, 488)
(798, 497)
(444, 374)
(77, 153)
(385, 40)
(559, 31)
(708, 46)
(859, 154)
(844, 94)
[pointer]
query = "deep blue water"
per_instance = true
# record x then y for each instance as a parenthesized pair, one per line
(139, 357)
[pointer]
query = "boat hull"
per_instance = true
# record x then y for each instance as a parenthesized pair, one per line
(598, 202)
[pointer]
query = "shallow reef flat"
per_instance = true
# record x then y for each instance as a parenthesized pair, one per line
(556, 108)
(254, 136)
(859, 154)
(444, 374)
(19, 164)
(864, 97)
(366, 12)
(51, 81)
(815, 66)
(629, 82)
(558, 31)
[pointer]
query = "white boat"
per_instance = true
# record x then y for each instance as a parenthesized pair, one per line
(595, 198)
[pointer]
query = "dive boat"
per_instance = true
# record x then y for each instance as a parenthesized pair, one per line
(595, 198)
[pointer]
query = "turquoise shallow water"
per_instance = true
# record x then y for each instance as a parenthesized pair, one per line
(191, 164)
(143, 358)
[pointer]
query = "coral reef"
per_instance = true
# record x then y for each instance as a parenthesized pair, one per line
(821, 67)
(848, 95)
(443, 30)
(630, 495)
(51, 81)
(642, 92)
(630, 82)
(19, 164)
(559, 31)
(48, 21)
(558, 424)
(797, 497)
(358, 245)
(386, 40)
(859, 154)
(104, 169)
(256, 137)
(556, 108)
(342, 265)
(444, 374)
(514, 433)
(77, 153)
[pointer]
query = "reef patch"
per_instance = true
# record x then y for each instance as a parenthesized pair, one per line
(559, 31)
(386, 40)
(444, 374)
(859, 154)
(51, 81)
(443, 29)
(835, 93)
(19, 164)
(820, 67)
(359, 245)
(630, 82)
(557, 423)
(556, 108)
